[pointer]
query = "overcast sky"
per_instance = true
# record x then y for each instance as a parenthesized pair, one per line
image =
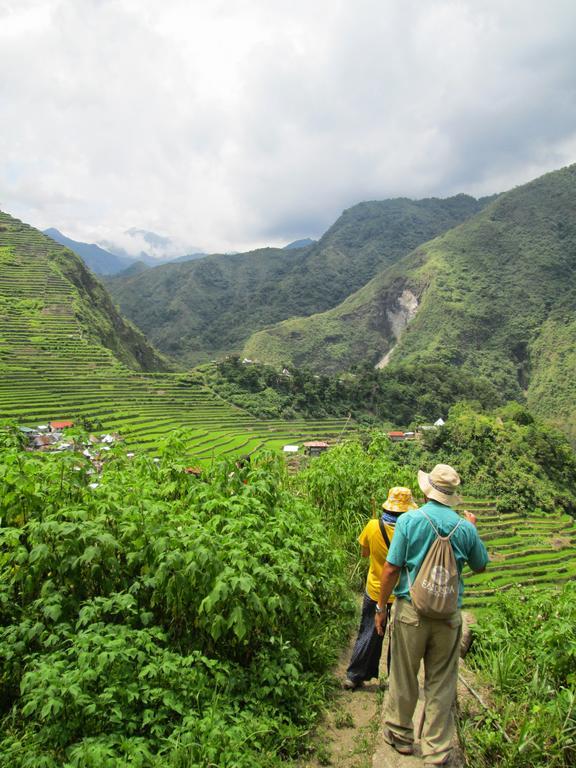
(237, 123)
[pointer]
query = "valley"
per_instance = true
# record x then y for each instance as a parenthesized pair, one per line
(199, 310)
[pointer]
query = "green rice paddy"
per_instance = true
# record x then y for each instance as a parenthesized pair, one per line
(525, 551)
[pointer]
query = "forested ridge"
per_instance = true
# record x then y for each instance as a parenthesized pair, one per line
(197, 310)
(493, 297)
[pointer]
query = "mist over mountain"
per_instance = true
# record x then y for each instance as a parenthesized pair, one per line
(100, 261)
(151, 248)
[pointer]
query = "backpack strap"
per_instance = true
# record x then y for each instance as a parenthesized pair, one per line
(383, 532)
(437, 532)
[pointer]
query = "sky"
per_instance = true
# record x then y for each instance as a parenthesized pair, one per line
(228, 125)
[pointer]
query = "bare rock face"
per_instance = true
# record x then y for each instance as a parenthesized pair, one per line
(405, 309)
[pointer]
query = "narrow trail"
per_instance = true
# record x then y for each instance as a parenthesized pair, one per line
(386, 757)
(346, 736)
(350, 734)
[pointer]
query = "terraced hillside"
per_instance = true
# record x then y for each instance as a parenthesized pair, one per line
(537, 549)
(65, 352)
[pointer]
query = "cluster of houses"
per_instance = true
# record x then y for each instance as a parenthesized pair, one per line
(48, 437)
(311, 448)
(52, 437)
(316, 447)
(398, 436)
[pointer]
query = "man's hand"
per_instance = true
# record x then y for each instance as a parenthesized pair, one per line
(470, 516)
(388, 579)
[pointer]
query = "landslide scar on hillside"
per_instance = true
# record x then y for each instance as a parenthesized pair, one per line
(399, 315)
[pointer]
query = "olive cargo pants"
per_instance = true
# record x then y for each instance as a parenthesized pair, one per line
(437, 642)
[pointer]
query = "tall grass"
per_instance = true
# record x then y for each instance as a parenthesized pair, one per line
(525, 652)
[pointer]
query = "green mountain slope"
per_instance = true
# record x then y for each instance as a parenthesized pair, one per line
(55, 306)
(201, 309)
(496, 294)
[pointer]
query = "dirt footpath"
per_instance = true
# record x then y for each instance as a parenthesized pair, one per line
(347, 734)
(350, 734)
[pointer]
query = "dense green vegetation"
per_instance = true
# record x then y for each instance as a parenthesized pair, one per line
(198, 310)
(408, 394)
(152, 617)
(511, 456)
(160, 619)
(494, 294)
(525, 652)
(517, 474)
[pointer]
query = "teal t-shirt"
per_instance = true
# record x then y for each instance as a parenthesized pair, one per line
(414, 535)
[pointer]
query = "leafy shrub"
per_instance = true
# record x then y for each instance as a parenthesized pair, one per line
(161, 619)
(349, 483)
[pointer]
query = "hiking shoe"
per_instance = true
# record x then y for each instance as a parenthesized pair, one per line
(352, 685)
(403, 747)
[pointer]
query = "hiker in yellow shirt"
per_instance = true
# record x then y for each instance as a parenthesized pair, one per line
(374, 541)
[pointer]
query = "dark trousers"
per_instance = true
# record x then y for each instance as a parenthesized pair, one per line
(365, 661)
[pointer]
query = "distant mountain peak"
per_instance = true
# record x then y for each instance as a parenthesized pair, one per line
(152, 238)
(150, 247)
(99, 260)
(303, 243)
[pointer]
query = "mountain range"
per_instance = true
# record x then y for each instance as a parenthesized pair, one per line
(487, 286)
(496, 295)
(206, 308)
(114, 259)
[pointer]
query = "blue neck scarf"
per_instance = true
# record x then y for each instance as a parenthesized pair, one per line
(389, 518)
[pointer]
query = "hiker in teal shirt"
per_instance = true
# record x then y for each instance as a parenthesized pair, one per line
(415, 529)
(416, 637)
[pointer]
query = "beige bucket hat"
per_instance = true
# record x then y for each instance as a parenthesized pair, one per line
(442, 484)
(399, 500)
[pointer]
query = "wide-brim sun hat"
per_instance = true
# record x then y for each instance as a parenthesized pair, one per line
(399, 500)
(441, 484)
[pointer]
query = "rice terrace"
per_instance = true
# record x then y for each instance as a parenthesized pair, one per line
(54, 368)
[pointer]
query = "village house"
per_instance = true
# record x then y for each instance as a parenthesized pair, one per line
(58, 426)
(315, 447)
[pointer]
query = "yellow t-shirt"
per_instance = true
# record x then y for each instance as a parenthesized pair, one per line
(372, 538)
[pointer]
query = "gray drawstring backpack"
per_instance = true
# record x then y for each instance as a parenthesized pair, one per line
(434, 591)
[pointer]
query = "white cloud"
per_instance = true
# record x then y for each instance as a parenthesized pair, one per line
(231, 124)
